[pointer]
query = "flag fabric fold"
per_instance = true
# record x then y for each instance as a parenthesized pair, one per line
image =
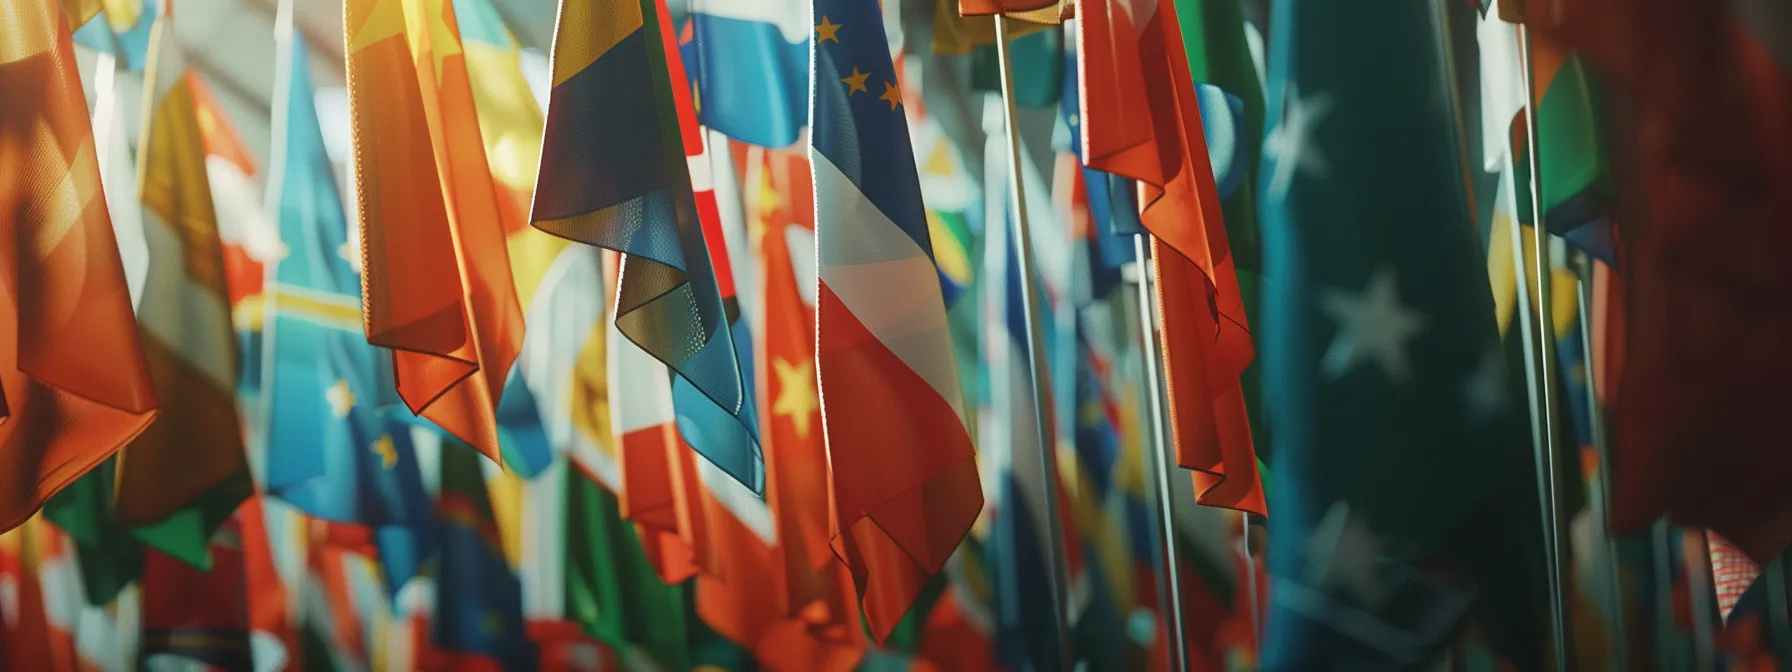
(616, 66)
(188, 471)
(750, 63)
(1142, 119)
(904, 474)
(74, 385)
(436, 284)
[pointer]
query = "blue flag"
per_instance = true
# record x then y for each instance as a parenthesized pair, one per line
(750, 61)
(334, 448)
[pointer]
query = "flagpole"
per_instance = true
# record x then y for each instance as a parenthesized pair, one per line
(1160, 461)
(1602, 449)
(1058, 562)
(1539, 352)
(1701, 598)
(1779, 628)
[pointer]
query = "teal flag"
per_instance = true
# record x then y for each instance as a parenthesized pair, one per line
(1400, 452)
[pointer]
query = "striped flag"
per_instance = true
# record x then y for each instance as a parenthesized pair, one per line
(904, 474)
(633, 193)
(437, 285)
(73, 386)
(192, 460)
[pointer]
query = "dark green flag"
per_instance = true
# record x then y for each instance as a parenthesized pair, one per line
(1399, 438)
(611, 589)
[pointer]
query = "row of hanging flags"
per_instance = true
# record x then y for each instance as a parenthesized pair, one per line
(773, 401)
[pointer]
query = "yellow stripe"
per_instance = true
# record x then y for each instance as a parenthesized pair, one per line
(341, 312)
(587, 29)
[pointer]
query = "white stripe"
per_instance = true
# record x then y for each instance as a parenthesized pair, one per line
(242, 220)
(886, 280)
(1502, 89)
(543, 567)
(801, 243)
(747, 507)
(790, 16)
(118, 178)
(168, 64)
(189, 317)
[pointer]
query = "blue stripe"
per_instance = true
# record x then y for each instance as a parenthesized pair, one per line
(602, 146)
(859, 133)
(753, 85)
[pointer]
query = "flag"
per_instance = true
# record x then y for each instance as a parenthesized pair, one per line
(187, 472)
(437, 285)
(1142, 119)
(750, 62)
(479, 617)
(338, 446)
(611, 588)
(903, 471)
(1698, 192)
(1019, 547)
(246, 230)
(510, 119)
(121, 29)
(632, 192)
(201, 615)
(25, 642)
(795, 451)
(510, 122)
(74, 386)
(1398, 436)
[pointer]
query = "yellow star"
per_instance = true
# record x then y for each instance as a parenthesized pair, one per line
(891, 95)
(493, 625)
(796, 393)
(855, 82)
(384, 19)
(826, 31)
(387, 451)
(340, 398)
(443, 40)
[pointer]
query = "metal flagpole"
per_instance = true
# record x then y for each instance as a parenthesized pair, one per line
(1059, 562)
(1602, 449)
(1160, 460)
(1539, 355)
(1779, 620)
(1666, 646)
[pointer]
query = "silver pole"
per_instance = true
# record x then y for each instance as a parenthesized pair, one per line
(1059, 563)
(1160, 456)
(1539, 351)
(1602, 449)
(1250, 577)
(1159, 568)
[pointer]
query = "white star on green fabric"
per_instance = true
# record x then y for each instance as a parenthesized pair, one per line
(1372, 326)
(1290, 142)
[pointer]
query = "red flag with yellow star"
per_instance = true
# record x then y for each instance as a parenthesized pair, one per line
(437, 285)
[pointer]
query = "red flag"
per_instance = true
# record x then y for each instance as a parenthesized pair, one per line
(1705, 110)
(197, 614)
(74, 385)
(984, 7)
(1160, 142)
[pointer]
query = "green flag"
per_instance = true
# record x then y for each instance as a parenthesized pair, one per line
(611, 589)
(1400, 442)
(114, 551)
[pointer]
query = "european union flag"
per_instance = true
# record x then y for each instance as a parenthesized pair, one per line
(334, 448)
(632, 192)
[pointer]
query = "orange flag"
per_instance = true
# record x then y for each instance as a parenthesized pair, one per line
(1206, 338)
(73, 382)
(437, 286)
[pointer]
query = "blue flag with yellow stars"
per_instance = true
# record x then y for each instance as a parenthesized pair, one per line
(1399, 443)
